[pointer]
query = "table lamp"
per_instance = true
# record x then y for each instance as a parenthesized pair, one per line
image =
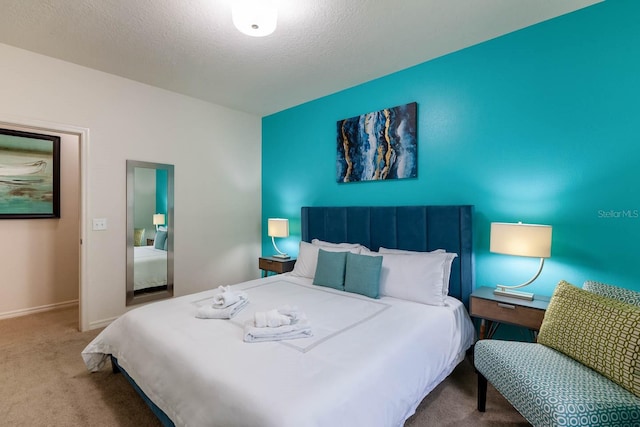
(278, 227)
(528, 240)
(158, 220)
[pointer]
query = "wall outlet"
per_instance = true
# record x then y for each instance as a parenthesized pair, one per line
(99, 224)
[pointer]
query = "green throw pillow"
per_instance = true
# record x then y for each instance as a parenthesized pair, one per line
(362, 275)
(330, 269)
(599, 332)
(138, 237)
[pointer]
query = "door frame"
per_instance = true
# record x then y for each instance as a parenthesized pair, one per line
(83, 135)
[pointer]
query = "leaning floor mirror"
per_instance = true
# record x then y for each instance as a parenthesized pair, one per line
(149, 231)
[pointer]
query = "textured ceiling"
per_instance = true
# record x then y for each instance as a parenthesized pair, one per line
(319, 47)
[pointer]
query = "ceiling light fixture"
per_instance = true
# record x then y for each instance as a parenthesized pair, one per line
(256, 18)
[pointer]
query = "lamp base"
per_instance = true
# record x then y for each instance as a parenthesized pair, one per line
(281, 256)
(506, 292)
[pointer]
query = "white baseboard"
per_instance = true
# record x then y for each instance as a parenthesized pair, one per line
(101, 323)
(32, 310)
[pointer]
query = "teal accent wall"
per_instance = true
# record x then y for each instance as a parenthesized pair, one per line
(541, 125)
(162, 190)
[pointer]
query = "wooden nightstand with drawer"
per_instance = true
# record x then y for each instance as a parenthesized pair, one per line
(494, 310)
(275, 265)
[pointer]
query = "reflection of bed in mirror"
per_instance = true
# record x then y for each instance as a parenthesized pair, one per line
(149, 232)
(150, 270)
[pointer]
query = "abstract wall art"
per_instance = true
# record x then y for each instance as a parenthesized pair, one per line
(29, 175)
(378, 146)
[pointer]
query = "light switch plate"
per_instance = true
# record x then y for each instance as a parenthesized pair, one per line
(99, 224)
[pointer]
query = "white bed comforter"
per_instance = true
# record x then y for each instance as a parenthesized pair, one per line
(369, 363)
(150, 267)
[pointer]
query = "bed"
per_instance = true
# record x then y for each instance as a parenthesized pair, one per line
(370, 361)
(150, 267)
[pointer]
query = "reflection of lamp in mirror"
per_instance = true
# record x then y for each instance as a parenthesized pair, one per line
(278, 227)
(158, 220)
(529, 240)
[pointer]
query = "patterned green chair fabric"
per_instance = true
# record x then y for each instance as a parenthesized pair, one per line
(551, 389)
(611, 291)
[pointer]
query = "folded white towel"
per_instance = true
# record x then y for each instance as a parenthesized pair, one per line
(209, 312)
(299, 329)
(226, 297)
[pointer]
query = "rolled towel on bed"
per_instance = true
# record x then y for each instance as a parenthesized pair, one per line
(211, 312)
(226, 297)
(299, 329)
(292, 312)
(284, 315)
(270, 319)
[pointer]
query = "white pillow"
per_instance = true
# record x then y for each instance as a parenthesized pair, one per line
(324, 244)
(418, 277)
(402, 251)
(447, 272)
(366, 251)
(447, 265)
(307, 260)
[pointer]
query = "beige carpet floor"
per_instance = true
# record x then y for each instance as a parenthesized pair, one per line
(43, 382)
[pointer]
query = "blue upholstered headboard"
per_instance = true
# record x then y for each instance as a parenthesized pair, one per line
(417, 228)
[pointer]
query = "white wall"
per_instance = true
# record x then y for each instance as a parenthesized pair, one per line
(216, 152)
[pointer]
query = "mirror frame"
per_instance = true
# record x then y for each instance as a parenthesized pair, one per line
(132, 299)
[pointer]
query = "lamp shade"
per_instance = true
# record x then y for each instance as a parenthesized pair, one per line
(278, 227)
(256, 18)
(158, 219)
(530, 240)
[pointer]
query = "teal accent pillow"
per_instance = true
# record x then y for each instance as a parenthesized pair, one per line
(330, 269)
(362, 275)
(161, 238)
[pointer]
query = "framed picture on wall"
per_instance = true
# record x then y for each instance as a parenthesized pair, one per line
(380, 145)
(29, 175)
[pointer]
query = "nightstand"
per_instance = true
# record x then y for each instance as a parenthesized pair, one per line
(494, 310)
(150, 242)
(275, 265)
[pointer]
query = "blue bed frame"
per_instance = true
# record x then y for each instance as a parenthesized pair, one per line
(418, 228)
(164, 418)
